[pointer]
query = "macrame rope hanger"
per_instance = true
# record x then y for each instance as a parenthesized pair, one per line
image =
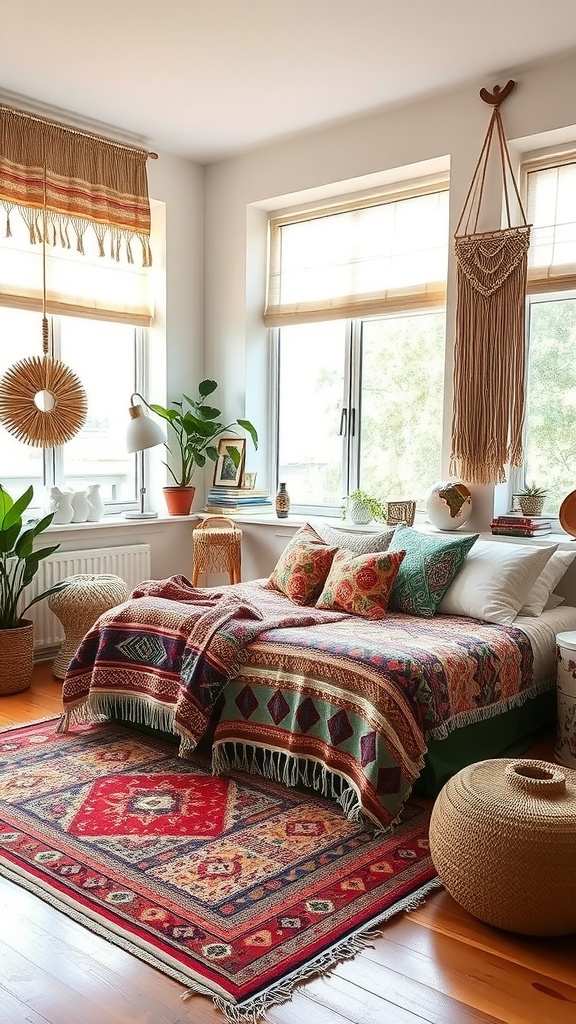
(42, 401)
(489, 354)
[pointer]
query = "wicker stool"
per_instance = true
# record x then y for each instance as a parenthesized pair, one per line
(78, 606)
(217, 548)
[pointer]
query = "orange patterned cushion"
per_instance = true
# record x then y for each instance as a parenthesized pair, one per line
(361, 584)
(303, 566)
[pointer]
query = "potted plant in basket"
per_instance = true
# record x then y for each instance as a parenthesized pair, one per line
(531, 500)
(19, 562)
(196, 426)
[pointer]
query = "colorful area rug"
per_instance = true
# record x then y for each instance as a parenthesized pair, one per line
(234, 885)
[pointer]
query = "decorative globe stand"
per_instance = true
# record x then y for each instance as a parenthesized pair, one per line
(78, 606)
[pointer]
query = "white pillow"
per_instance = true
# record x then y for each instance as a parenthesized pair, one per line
(494, 580)
(548, 579)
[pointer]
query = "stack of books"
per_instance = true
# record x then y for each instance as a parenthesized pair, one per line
(232, 500)
(517, 525)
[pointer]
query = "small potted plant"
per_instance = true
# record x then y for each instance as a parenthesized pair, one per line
(196, 426)
(363, 508)
(531, 500)
(19, 562)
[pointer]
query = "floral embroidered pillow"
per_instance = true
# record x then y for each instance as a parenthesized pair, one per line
(303, 566)
(361, 584)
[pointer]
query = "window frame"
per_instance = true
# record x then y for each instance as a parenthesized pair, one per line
(53, 458)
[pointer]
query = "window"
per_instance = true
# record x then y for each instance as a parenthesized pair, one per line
(550, 422)
(356, 299)
(97, 310)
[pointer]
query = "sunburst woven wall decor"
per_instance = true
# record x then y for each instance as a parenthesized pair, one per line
(22, 417)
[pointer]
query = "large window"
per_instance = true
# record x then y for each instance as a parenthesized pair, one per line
(98, 310)
(356, 297)
(550, 449)
(107, 359)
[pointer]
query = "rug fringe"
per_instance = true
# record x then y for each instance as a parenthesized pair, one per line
(254, 1010)
(280, 766)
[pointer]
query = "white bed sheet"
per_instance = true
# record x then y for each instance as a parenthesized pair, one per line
(541, 630)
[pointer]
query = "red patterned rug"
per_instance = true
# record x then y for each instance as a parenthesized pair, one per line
(234, 885)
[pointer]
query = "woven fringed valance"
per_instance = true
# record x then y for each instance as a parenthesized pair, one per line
(81, 181)
(489, 356)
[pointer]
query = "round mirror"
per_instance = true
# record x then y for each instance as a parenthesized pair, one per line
(44, 400)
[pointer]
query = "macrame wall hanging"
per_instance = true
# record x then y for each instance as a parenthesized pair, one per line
(489, 353)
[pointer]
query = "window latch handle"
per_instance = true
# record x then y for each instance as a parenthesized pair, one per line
(352, 422)
(343, 422)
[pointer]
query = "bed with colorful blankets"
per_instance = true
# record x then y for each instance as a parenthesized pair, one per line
(365, 664)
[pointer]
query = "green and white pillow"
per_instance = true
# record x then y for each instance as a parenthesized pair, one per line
(427, 570)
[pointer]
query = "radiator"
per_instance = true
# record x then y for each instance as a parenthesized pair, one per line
(131, 563)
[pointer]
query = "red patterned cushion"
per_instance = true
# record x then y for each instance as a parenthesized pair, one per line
(361, 584)
(303, 566)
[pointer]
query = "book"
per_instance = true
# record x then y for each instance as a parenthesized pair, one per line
(520, 519)
(518, 531)
(239, 509)
(243, 492)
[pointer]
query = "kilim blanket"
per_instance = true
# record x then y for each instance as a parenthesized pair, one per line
(237, 887)
(339, 702)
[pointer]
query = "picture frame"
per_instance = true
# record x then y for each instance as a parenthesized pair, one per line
(226, 472)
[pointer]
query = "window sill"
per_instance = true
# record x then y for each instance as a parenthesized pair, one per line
(118, 521)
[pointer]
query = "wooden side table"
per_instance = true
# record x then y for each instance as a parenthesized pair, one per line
(565, 752)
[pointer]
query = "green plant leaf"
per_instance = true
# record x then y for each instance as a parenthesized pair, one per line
(246, 425)
(8, 537)
(211, 453)
(206, 387)
(5, 503)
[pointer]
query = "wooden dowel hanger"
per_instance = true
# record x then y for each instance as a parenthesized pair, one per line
(498, 95)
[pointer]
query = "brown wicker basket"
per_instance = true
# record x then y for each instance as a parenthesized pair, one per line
(16, 657)
(503, 840)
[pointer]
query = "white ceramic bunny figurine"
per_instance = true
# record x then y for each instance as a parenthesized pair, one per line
(61, 506)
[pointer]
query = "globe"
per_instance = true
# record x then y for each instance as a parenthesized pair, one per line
(449, 505)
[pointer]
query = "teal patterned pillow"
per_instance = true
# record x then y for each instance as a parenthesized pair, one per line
(427, 570)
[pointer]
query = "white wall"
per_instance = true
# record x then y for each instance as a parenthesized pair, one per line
(450, 126)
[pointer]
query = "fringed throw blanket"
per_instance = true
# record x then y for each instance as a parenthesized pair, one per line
(332, 700)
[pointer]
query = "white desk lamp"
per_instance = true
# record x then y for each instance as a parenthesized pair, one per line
(142, 433)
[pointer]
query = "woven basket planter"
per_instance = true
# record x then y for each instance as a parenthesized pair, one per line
(16, 658)
(503, 841)
(531, 504)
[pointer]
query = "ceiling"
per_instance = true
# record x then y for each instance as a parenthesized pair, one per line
(209, 78)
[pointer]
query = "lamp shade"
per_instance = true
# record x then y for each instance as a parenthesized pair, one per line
(142, 432)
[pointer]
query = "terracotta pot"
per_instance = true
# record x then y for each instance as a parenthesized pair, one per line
(179, 500)
(16, 657)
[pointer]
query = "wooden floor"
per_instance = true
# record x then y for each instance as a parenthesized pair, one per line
(436, 964)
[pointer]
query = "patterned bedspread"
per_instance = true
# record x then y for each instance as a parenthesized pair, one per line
(336, 701)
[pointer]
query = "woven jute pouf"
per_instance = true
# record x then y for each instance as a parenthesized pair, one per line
(503, 841)
(78, 606)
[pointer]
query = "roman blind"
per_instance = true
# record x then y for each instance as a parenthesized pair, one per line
(551, 209)
(74, 205)
(384, 254)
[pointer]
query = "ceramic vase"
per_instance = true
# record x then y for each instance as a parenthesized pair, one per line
(282, 502)
(80, 507)
(95, 504)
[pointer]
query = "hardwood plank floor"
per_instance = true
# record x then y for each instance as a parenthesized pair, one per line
(435, 965)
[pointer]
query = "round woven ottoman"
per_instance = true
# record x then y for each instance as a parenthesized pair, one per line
(503, 841)
(78, 606)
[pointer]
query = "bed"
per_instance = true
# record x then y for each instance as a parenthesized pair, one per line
(360, 708)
